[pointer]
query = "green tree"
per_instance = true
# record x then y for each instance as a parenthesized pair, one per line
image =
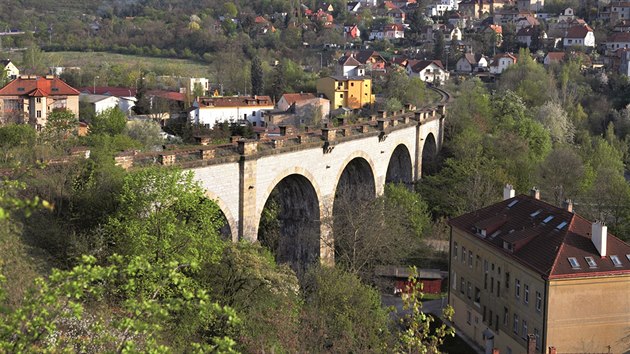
(529, 80)
(146, 133)
(16, 140)
(111, 121)
(143, 102)
(341, 314)
(58, 314)
(439, 46)
(164, 215)
(257, 76)
(279, 81)
(417, 336)
(556, 121)
(264, 293)
(61, 126)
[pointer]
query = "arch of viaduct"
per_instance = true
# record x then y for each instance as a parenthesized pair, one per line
(311, 169)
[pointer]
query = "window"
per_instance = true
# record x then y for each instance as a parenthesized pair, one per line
(498, 288)
(352, 84)
(455, 250)
(526, 298)
(485, 281)
(38, 100)
(524, 331)
(507, 280)
(469, 317)
(537, 335)
(341, 95)
(509, 350)
(478, 260)
(490, 319)
(517, 289)
(254, 113)
(470, 258)
(484, 314)
(491, 284)
(505, 316)
(462, 285)
(591, 262)
(496, 322)
(574, 263)
(485, 265)
(454, 285)
(616, 261)
(515, 324)
(39, 114)
(477, 296)
(463, 254)
(538, 301)
(469, 290)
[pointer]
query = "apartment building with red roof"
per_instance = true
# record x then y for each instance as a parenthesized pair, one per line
(527, 276)
(30, 99)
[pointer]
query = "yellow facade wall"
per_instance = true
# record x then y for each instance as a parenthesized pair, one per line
(590, 315)
(349, 93)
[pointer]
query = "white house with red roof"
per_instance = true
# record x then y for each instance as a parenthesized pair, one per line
(208, 111)
(431, 71)
(618, 40)
(393, 31)
(30, 99)
(579, 36)
(501, 62)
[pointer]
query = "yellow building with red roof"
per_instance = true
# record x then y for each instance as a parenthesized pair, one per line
(30, 99)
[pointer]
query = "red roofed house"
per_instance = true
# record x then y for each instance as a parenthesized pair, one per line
(208, 111)
(501, 62)
(579, 36)
(553, 58)
(529, 277)
(31, 98)
(618, 40)
(393, 31)
(431, 71)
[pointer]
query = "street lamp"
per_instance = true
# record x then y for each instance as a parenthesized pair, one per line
(94, 84)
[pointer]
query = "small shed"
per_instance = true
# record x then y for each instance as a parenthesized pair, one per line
(431, 279)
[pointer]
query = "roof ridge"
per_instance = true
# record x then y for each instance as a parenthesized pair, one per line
(561, 247)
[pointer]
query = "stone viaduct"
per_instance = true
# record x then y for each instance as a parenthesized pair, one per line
(308, 172)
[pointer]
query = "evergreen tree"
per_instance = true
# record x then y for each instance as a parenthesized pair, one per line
(438, 47)
(143, 103)
(280, 81)
(257, 76)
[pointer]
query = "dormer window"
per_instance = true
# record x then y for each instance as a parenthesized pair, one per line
(512, 203)
(561, 225)
(574, 263)
(616, 261)
(548, 219)
(591, 262)
(534, 214)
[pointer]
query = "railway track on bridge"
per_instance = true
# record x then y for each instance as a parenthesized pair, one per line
(445, 97)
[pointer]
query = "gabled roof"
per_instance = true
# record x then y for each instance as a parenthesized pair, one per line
(393, 27)
(525, 32)
(556, 57)
(5, 62)
(37, 86)
(348, 60)
(363, 55)
(495, 60)
(419, 65)
(578, 32)
(619, 37)
(292, 98)
(543, 237)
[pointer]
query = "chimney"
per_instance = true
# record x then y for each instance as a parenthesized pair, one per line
(599, 236)
(508, 192)
(552, 350)
(531, 344)
(534, 193)
(568, 205)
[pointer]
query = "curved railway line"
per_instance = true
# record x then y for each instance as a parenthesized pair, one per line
(445, 97)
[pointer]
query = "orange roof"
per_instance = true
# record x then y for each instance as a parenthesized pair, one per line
(556, 57)
(291, 98)
(37, 86)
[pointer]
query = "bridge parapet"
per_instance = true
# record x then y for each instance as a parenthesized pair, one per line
(290, 139)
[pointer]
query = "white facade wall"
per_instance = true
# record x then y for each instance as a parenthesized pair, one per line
(587, 41)
(503, 64)
(106, 103)
(209, 116)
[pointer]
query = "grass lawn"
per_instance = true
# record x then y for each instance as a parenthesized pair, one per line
(161, 66)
